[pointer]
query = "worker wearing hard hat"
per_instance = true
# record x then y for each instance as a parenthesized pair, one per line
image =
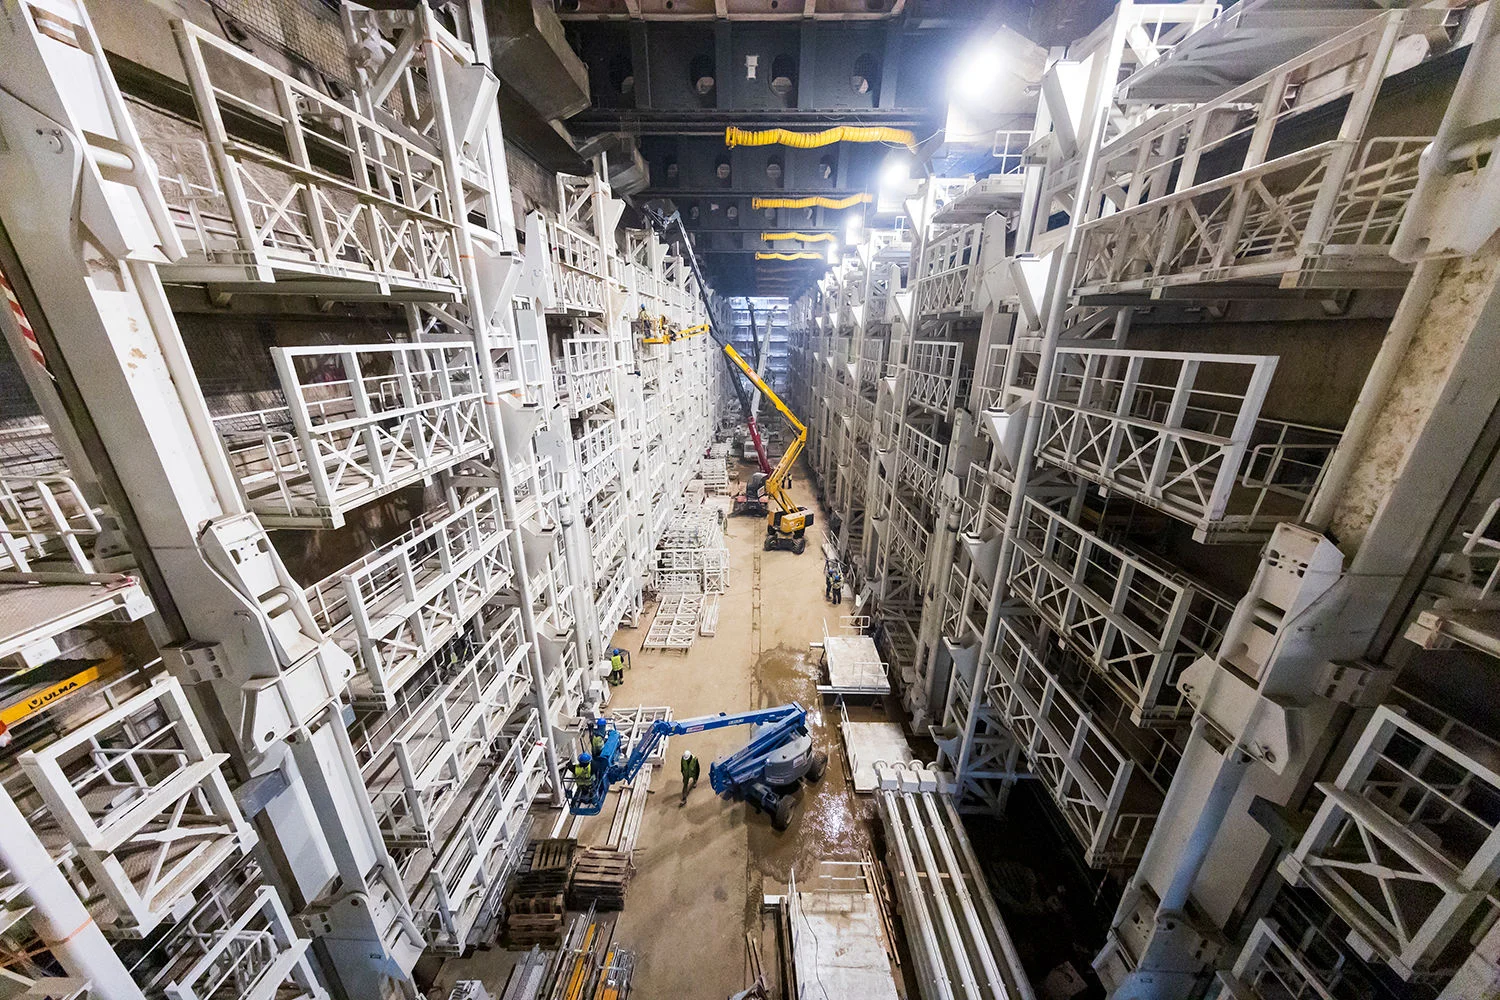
(690, 772)
(583, 773)
(596, 739)
(616, 667)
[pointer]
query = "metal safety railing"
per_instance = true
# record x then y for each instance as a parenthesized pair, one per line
(399, 605)
(333, 196)
(466, 881)
(1110, 806)
(359, 422)
(47, 524)
(138, 799)
(1183, 433)
(945, 277)
(416, 757)
(1405, 846)
(1135, 624)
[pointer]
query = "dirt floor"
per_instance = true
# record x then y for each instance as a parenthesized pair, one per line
(702, 869)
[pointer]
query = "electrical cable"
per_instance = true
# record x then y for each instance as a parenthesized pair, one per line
(800, 255)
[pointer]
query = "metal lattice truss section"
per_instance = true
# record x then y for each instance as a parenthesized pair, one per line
(921, 462)
(416, 758)
(909, 539)
(463, 886)
(1136, 625)
(946, 279)
(47, 525)
(932, 374)
(136, 797)
(953, 927)
(1110, 807)
(336, 196)
(676, 623)
(606, 523)
(1270, 967)
(1333, 207)
(1182, 432)
(620, 589)
(583, 380)
(395, 608)
(1266, 222)
(552, 591)
(360, 422)
(599, 457)
(1406, 844)
(715, 475)
(238, 943)
(706, 570)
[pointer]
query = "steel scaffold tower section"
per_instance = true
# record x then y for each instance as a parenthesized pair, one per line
(676, 623)
(445, 638)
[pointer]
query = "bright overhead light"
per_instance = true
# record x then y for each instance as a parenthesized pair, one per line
(854, 228)
(895, 173)
(976, 73)
(833, 253)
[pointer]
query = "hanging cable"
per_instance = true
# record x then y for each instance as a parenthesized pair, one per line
(804, 237)
(803, 255)
(809, 140)
(815, 201)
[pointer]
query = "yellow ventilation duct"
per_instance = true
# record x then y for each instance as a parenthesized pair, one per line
(804, 237)
(816, 201)
(801, 255)
(810, 140)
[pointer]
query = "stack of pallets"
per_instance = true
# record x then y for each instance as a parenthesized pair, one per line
(534, 911)
(599, 878)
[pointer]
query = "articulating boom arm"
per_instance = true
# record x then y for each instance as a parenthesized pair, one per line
(776, 484)
(588, 800)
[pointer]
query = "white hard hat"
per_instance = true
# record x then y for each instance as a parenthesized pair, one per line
(687, 755)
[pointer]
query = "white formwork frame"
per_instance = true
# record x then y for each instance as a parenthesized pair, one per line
(248, 214)
(397, 607)
(1140, 633)
(46, 521)
(361, 421)
(676, 623)
(469, 871)
(240, 942)
(1108, 803)
(139, 797)
(1406, 844)
(416, 758)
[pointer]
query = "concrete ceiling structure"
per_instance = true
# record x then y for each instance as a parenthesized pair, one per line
(668, 77)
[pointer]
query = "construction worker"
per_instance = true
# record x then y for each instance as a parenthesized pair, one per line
(583, 774)
(689, 775)
(596, 737)
(616, 667)
(833, 584)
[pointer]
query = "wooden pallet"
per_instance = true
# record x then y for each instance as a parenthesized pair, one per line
(522, 930)
(599, 878)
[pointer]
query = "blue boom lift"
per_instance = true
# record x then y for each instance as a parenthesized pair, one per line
(779, 755)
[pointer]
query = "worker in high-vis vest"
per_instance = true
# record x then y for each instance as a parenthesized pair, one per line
(616, 667)
(596, 739)
(583, 773)
(690, 771)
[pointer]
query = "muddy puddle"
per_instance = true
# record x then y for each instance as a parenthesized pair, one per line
(831, 822)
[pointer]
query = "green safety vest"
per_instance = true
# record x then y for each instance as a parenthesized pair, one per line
(583, 774)
(690, 768)
(617, 662)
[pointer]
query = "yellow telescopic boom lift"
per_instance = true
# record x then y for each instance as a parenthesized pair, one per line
(785, 528)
